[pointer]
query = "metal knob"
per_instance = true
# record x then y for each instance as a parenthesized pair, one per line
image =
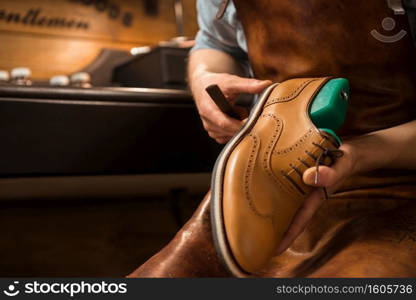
(21, 76)
(81, 79)
(59, 80)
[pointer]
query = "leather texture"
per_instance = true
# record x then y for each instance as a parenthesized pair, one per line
(367, 228)
(352, 235)
(191, 253)
(307, 38)
(315, 38)
(263, 186)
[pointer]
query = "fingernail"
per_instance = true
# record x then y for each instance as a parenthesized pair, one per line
(311, 178)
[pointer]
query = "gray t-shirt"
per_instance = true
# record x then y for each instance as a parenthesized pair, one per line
(226, 34)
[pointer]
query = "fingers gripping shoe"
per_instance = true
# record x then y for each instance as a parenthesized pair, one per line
(257, 184)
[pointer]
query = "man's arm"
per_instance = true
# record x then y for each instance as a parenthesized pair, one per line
(219, 57)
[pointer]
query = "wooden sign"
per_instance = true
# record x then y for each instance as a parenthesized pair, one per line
(55, 37)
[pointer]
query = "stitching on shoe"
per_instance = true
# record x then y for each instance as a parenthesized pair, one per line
(267, 156)
(247, 177)
(296, 145)
(269, 149)
(292, 95)
(275, 136)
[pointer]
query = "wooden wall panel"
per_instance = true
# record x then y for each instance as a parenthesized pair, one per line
(62, 36)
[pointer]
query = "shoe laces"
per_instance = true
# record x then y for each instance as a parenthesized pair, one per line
(319, 160)
(332, 154)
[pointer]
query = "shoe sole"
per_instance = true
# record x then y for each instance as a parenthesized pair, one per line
(217, 221)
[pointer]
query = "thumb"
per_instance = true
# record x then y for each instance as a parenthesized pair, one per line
(239, 85)
(330, 176)
(326, 176)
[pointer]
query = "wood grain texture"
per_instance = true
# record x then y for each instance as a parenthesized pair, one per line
(62, 36)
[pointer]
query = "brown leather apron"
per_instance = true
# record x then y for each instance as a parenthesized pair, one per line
(307, 38)
(368, 228)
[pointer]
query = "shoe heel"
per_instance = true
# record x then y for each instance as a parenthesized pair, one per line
(329, 107)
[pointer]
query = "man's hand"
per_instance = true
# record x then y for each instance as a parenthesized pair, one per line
(218, 125)
(330, 178)
(388, 148)
(211, 66)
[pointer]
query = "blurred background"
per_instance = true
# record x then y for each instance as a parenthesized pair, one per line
(102, 155)
(53, 37)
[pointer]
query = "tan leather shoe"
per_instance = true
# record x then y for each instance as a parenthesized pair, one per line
(257, 184)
